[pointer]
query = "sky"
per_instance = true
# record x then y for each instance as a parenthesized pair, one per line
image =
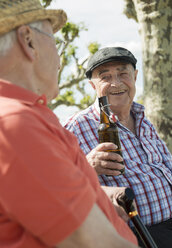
(108, 26)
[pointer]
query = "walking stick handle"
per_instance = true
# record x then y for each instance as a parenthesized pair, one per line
(126, 200)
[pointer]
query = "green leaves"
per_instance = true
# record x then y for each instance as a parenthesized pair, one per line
(67, 97)
(93, 47)
(71, 30)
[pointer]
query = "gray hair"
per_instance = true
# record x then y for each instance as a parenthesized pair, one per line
(7, 40)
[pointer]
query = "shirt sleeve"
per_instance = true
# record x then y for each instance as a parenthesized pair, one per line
(41, 188)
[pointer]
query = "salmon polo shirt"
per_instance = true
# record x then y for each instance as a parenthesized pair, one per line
(47, 188)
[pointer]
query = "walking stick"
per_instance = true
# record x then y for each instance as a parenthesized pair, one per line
(126, 201)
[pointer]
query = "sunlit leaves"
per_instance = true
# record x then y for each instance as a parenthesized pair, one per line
(72, 30)
(93, 47)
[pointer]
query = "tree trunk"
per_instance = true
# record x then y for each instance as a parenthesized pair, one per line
(155, 27)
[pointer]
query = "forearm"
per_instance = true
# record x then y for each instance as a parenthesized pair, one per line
(96, 231)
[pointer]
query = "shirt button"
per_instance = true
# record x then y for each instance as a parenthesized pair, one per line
(41, 101)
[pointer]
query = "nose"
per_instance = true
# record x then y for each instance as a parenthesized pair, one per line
(115, 79)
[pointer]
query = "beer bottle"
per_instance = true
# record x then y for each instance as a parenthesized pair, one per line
(108, 130)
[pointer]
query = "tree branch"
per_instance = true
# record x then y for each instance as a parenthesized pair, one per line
(129, 10)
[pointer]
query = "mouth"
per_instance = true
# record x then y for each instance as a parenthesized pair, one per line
(117, 92)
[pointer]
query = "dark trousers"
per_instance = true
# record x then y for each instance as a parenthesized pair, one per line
(161, 234)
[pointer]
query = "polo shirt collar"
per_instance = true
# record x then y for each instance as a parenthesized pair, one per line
(10, 90)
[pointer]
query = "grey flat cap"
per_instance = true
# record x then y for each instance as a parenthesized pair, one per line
(109, 54)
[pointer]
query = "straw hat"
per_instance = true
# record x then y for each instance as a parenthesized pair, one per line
(14, 13)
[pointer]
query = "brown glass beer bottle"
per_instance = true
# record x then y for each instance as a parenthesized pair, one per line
(108, 130)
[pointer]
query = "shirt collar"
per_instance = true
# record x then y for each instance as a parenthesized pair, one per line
(10, 90)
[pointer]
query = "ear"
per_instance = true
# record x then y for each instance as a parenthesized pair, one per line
(135, 76)
(92, 84)
(25, 39)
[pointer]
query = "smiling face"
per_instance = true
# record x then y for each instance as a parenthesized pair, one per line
(117, 81)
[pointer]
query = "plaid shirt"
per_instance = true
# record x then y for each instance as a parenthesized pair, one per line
(148, 163)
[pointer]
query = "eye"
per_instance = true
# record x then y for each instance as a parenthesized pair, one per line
(123, 74)
(105, 78)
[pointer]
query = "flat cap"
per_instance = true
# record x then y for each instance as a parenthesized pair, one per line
(109, 54)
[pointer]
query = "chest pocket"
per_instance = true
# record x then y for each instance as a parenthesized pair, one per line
(150, 145)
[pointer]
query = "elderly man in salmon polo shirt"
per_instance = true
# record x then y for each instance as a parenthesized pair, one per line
(49, 195)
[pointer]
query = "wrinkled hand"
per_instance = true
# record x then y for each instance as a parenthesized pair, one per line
(104, 162)
(113, 193)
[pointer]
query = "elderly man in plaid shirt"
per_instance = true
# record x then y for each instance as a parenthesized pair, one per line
(148, 163)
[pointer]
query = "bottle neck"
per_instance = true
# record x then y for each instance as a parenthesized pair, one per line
(104, 110)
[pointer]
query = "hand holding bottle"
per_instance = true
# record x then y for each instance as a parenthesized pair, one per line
(104, 161)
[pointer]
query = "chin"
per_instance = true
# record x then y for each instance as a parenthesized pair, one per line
(53, 95)
(55, 90)
(118, 106)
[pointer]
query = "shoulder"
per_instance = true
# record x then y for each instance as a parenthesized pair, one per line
(10, 106)
(82, 118)
(139, 112)
(15, 114)
(22, 116)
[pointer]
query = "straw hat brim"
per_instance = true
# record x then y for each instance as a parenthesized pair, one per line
(56, 17)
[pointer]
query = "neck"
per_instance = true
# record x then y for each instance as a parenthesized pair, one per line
(17, 69)
(126, 119)
(122, 113)
(17, 73)
(18, 80)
